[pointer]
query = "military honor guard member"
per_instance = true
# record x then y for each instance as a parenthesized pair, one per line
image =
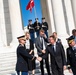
(44, 26)
(22, 57)
(71, 55)
(37, 26)
(73, 34)
(31, 30)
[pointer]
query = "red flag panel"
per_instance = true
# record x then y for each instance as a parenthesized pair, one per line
(30, 5)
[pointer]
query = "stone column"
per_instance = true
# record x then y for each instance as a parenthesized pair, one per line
(69, 14)
(74, 10)
(50, 11)
(3, 41)
(59, 20)
(15, 16)
(46, 9)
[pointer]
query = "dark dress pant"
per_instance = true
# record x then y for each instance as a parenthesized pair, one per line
(22, 73)
(47, 66)
(56, 70)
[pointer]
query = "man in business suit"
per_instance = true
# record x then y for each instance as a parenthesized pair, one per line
(71, 55)
(57, 54)
(58, 40)
(41, 46)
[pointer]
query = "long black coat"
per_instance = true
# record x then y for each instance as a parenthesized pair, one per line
(31, 45)
(71, 59)
(31, 64)
(22, 59)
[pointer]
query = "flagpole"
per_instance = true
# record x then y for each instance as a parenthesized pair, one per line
(35, 17)
(35, 11)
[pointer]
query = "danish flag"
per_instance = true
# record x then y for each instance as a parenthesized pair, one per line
(30, 5)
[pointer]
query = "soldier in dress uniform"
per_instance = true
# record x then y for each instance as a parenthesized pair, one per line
(22, 57)
(71, 55)
(44, 25)
(73, 34)
(37, 26)
(31, 30)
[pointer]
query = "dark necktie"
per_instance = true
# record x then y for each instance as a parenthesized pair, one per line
(74, 48)
(41, 42)
(53, 48)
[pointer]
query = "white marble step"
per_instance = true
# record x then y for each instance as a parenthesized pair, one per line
(39, 73)
(8, 61)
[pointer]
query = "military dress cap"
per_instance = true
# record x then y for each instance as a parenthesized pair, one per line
(30, 20)
(36, 18)
(70, 40)
(43, 18)
(73, 31)
(21, 37)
